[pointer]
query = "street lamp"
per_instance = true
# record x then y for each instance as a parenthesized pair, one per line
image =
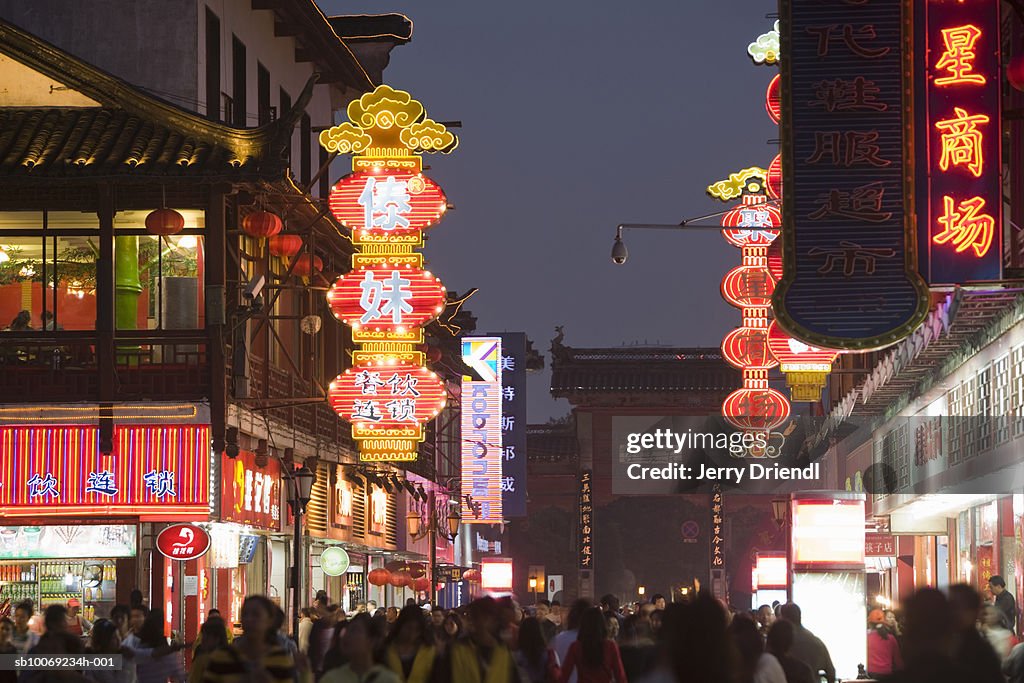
(781, 514)
(640, 590)
(533, 588)
(298, 496)
(438, 522)
(619, 252)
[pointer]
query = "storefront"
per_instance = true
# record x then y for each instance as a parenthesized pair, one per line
(82, 523)
(248, 554)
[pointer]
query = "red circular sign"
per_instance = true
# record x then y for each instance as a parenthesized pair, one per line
(387, 297)
(183, 542)
(773, 99)
(386, 204)
(387, 396)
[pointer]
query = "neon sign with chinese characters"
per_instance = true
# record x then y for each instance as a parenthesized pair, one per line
(388, 395)
(958, 111)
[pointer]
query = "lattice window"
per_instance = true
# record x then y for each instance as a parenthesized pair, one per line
(981, 422)
(956, 424)
(358, 511)
(1002, 408)
(1017, 389)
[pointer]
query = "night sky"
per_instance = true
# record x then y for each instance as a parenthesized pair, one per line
(578, 116)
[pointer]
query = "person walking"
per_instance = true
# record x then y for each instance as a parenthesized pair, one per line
(482, 657)
(807, 647)
(972, 651)
(360, 640)
(593, 656)
(998, 636)
(7, 648)
(23, 638)
(257, 656)
(778, 643)
(884, 655)
(305, 627)
(1003, 599)
(212, 637)
(755, 665)
(572, 628)
(408, 651)
(157, 661)
(105, 640)
(537, 662)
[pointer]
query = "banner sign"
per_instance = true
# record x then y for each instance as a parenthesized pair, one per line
(158, 473)
(958, 136)
(850, 270)
(250, 494)
(513, 424)
(481, 432)
(586, 520)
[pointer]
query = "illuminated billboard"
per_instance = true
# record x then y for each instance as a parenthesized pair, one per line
(481, 432)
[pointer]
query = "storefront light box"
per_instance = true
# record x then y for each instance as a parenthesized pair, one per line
(60, 542)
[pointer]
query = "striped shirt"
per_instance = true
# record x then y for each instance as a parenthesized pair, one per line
(230, 665)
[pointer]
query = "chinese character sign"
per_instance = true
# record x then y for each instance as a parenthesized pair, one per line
(586, 520)
(154, 472)
(850, 273)
(513, 424)
(388, 395)
(250, 494)
(717, 528)
(958, 142)
(482, 457)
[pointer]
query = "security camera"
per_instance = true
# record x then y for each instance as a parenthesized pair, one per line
(254, 288)
(619, 251)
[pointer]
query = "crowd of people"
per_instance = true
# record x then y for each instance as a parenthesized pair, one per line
(948, 637)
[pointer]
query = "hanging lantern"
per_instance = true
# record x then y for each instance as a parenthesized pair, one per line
(261, 224)
(421, 584)
(285, 245)
(773, 183)
(752, 223)
(1015, 71)
(350, 303)
(755, 409)
(164, 222)
(773, 99)
(305, 265)
(379, 577)
(387, 396)
(747, 347)
(417, 570)
(748, 287)
(471, 575)
(806, 367)
(400, 579)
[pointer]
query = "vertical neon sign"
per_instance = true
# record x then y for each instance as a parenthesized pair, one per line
(958, 139)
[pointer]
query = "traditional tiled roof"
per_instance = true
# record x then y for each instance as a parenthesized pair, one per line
(356, 27)
(638, 369)
(551, 443)
(130, 133)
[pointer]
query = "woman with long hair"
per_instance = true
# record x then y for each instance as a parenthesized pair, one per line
(257, 655)
(157, 669)
(213, 636)
(361, 638)
(535, 659)
(408, 651)
(104, 639)
(593, 656)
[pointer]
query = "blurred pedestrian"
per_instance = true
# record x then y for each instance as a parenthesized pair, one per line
(23, 638)
(572, 628)
(807, 647)
(929, 639)
(159, 662)
(778, 643)
(972, 651)
(593, 655)
(482, 657)
(693, 645)
(636, 646)
(212, 637)
(755, 665)
(104, 639)
(361, 638)
(884, 655)
(992, 627)
(7, 648)
(547, 626)
(408, 650)
(257, 656)
(537, 661)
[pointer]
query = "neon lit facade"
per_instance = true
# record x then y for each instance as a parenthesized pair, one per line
(388, 395)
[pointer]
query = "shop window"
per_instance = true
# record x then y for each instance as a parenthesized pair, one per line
(158, 282)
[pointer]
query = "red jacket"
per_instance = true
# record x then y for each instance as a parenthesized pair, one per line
(610, 671)
(883, 653)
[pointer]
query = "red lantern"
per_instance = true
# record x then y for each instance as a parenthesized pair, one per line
(399, 204)
(747, 347)
(164, 222)
(285, 245)
(773, 186)
(1015, 71)
(471, 575)
(379, 577)
(748, 287)
(374, 398)
(305, 266)
(755, 222)
(417, 570)
(761, 409)
(400, 579)
(366, 299)
(794, 355)
(773, 99)
(421, 584)
(775, 259)
(261, 224)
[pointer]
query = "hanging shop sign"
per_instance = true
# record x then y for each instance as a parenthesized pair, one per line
(513, 424)
(879, 545)
(717, 527)
(334, 561)
(806, 367)
(344, 499)
(958, 124)
(387, 298)
(828, 533)
(851, 275)
(586, 520)
(71, 541)
(183, 542)
(771, 570)
(158, 473)
(481, 432)
(249, 494)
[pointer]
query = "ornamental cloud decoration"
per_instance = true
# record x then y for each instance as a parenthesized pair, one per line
(429, 136)
(345, 139)
(765, 50)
